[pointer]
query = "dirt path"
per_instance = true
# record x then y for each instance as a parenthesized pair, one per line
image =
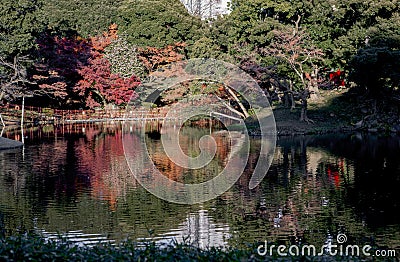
(287, 123)
(331, 114)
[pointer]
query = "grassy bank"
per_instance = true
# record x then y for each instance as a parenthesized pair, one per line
(336, 111)
(24, 248)
(333, 112)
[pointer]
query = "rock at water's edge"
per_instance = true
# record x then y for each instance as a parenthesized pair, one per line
(6, 143)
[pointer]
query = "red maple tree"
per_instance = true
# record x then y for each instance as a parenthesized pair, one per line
(99, 86)
(56, 72)
(76, 67)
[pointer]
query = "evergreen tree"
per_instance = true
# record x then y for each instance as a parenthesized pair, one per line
(157, 23)
(80, 17)
(19, 27)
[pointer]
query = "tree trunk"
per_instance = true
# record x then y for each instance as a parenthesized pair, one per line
(304, 105)
(103, 100)
(1, 118)
(314, 95)
(286, 99)
(230, 108)
(303, 114)
(293, 104)
(313, 86)
(286, 92)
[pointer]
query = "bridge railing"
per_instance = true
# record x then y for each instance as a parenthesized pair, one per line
(12, 112)
(31, 113)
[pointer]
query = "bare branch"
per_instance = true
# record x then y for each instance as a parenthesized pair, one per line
(13, 82)
(229, 107)
(246, 114)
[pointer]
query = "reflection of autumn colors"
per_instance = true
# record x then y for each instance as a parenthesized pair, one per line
(315, 188)
(95, 159)
(189, 142)
(102, 158)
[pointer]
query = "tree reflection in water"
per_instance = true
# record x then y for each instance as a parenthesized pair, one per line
(76, 178)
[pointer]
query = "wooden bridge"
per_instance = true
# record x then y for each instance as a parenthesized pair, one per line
(12, 114)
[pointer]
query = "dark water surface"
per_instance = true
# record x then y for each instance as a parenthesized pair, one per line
(73, 180)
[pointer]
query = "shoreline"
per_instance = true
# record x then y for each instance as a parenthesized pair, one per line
(6, 143)
(283, 128)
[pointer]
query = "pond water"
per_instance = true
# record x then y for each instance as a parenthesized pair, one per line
(73, 180)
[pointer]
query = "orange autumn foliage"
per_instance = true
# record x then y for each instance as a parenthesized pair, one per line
(153, 58)
(99, 43)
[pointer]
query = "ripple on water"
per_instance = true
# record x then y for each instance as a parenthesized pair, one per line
(316, 187)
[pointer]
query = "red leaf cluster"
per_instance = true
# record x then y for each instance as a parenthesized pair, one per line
(73, 66)
(98, 84)
(57, 70)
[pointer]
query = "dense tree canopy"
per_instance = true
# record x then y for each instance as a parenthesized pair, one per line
(124, 58)
(347, 25)
(361, 37)
(81, 17)
(19, 27)
(157, 23)
(377, 69)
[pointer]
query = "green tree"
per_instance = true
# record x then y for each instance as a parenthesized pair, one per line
(346, 24)
(19, 28)
(377, 69)
(339, 27)
(206, 47)
(240, 33)
(377, 66)
(81, 17)
(157, 23)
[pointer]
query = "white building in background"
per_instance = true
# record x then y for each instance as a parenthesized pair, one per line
(207, 8)
(199, 230)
